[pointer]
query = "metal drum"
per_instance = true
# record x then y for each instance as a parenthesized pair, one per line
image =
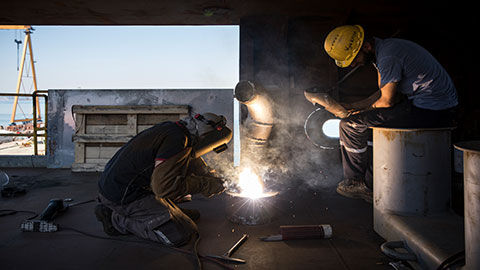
(412, 171)
(471, 172)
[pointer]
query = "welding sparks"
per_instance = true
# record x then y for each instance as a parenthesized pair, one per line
(250, 184)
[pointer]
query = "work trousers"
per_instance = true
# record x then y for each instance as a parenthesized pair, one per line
(148, 218)
(356, 135)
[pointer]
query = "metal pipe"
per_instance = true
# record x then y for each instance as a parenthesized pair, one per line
(317, 96)
(260, 110)
(34, 76)
(34, 111)
(471, 176)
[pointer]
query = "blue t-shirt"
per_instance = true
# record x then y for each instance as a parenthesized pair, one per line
(419, 75)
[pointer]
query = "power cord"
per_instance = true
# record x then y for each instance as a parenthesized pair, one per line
(8, 212)
(195, 250)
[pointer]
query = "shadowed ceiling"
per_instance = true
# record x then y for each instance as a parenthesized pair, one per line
(190, 12)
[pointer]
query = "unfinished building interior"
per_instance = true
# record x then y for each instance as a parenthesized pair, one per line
(282, 54)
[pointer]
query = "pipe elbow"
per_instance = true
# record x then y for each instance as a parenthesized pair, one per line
(259, 108)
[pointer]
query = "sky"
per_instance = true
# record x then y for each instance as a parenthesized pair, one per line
(123, 57)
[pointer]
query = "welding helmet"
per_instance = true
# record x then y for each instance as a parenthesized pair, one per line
(212, 134)
(343, 44)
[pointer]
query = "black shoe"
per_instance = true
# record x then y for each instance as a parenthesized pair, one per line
(104, 215)
(355, 189)
(193, 214)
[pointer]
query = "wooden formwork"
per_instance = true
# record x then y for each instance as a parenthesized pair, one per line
(101, 130)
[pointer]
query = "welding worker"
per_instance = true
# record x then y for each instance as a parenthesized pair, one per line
(155, 170)
(416, 92)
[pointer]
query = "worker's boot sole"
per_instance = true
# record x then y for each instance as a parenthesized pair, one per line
(355, 191)
(104, 215)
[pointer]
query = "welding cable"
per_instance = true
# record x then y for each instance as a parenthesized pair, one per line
(152, 244)
(340, 257)
(195, 251)
(8, 212)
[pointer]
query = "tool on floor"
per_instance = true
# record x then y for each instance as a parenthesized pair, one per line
(57, 206)
(44, 224)
(226, 257)
(293, 232)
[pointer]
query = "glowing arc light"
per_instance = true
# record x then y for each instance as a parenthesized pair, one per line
(250, 184)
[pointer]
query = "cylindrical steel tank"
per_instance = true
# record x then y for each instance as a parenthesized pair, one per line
(471, 172)
(412, 171)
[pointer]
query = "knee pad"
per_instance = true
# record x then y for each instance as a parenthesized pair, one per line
(174, 233)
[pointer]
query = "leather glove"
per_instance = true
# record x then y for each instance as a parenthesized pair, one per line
(207, 185)
(212, 186)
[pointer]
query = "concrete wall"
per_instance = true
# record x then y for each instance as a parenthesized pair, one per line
(61, 125)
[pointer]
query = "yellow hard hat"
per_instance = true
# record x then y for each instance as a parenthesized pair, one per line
(343, 44)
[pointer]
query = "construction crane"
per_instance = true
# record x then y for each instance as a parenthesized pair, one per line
(27, 44)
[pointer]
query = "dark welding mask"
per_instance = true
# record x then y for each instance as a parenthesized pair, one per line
(213, 134)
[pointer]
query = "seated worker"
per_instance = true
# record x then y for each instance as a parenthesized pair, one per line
(428, 98)
(155, 169)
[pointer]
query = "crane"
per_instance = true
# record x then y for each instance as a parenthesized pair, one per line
(27, 44)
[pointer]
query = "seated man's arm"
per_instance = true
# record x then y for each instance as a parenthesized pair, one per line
(387, 98)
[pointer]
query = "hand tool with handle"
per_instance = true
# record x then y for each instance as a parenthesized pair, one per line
(226, 257)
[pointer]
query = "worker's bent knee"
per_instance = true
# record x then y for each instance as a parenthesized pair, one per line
(345, 124)
(174, 233)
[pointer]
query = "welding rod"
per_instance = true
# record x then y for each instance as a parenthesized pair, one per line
(236, 246)
(293, 232)
(226, 257)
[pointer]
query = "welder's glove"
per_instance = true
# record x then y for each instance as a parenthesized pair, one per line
(207, 185)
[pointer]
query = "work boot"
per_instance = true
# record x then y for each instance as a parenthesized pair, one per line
(104, 215)
(193, 214)
(355, 189)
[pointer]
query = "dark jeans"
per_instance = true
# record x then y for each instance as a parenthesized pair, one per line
(356, 135)
(148, 218)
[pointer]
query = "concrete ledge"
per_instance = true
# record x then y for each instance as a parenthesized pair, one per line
(23, 161)
(61, 118)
